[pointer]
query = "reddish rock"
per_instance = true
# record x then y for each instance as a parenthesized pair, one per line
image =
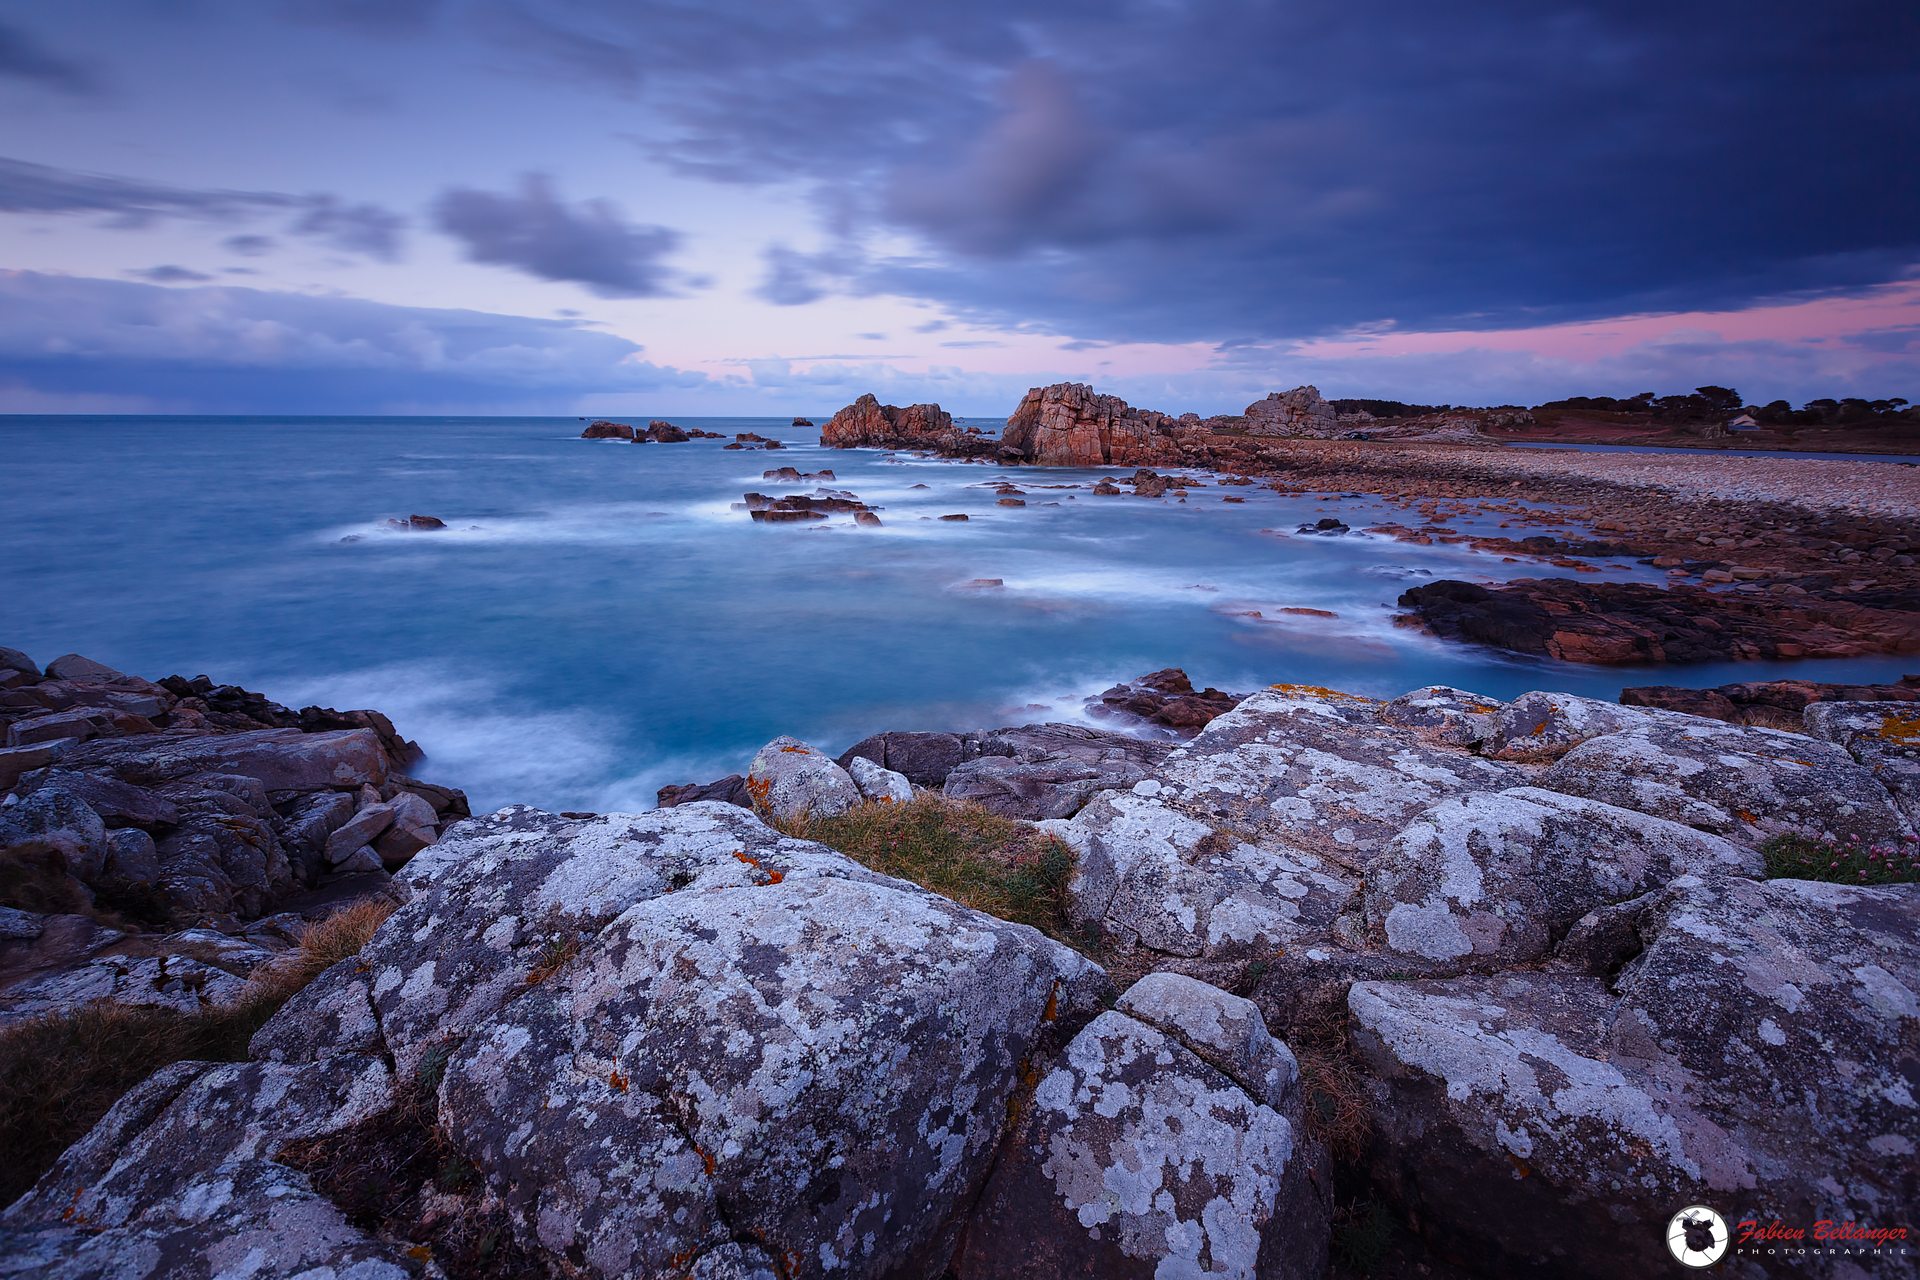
(1629, 622)
(1071, 425)
(1167, 698)
(866, 423)
(604, 430)
(1773, 704)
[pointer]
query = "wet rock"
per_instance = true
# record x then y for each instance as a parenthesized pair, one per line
(1630, 622)
(1501, 876)
(1139, 1155)
(1168, 698)
(1771, 704)
(661, 432)
(1326, 526)
(789, 779)
(1737, 781)
(603, 430)
(878, 784)
(1752, 1059)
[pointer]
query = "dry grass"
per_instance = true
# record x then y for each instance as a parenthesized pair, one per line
(60, 1073)
(1338, 1111)
(959, 851)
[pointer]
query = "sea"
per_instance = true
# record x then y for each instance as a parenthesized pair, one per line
(599, 618)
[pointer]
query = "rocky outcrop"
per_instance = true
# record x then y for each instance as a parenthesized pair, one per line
(1168, 1141)
(1756, 1068)
(1299, 412)
(1630, 622)
(670, 1044)
(137, 807)
(866, 423)
(1772, 704)
(1069, 424)
(1049, 770)
(1168, 699)
(601, 429)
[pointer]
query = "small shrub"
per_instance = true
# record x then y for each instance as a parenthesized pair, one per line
(960, 851)
(60, 1073)
(1849, 861)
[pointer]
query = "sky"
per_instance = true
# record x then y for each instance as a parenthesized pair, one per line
(721, 207)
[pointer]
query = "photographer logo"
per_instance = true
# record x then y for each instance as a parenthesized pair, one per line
(1697, 1236)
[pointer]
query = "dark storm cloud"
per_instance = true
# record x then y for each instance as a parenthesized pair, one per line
(232, 350)
(24, 58)
(590, 244)
(1229, 170)
(130, 204)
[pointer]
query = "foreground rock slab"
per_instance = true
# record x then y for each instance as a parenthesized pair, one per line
(1757, 1056)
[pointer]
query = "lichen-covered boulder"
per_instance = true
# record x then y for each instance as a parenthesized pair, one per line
(1319, 771)
(660, 1035)
(1443, 715)
(1757, 1057)
(1166, 1141)
(1742, 782)
(1500, 876)
(789, 779)
(1148, 874)
(182, 1179)
(821, 1065)
(878, 784)
(1884, 737)
(1543, 726)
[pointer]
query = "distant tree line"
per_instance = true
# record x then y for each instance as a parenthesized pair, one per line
(1705, 403)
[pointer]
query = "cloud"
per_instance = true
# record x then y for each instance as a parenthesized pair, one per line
(234, 350)
(1141, 170)
(23, 58)
(133, 204)
(792, 278)
(358, 228)
(169, 274)
(590, 244)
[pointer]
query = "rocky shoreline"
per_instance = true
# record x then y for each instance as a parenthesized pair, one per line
(1766, 558)
(1447, 974)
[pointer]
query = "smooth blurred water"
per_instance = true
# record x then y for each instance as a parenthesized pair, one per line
(598, 620)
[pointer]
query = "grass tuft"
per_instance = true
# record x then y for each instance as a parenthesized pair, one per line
(1850, 861)
(60, 1073)
(960, 851)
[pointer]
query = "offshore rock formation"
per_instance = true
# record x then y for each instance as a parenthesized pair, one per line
(866, 423)
(1299, 412)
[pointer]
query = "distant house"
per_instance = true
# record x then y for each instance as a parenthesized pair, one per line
(1744, 422)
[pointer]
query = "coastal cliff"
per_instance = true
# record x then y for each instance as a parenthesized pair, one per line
(1236, 970)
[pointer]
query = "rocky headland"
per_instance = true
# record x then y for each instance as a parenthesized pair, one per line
(1259, 985)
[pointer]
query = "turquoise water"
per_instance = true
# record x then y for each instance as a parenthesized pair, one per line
(598, 621)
